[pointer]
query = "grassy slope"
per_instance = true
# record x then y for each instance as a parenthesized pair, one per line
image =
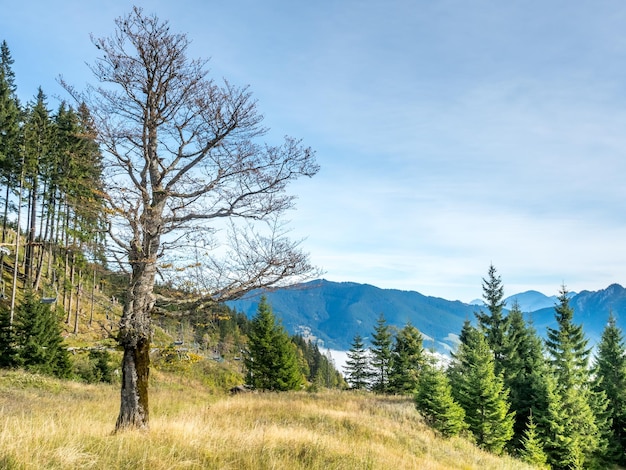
(47, 423)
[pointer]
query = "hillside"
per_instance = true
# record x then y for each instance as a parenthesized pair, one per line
(335, 312)
(66, 425)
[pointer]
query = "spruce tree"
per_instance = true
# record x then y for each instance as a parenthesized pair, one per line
(569, 355)
(8, 352)
(38, 338)
(272, 360)
(435, 402)
(481, 392)
(494, 323)
(610, 378)
(532, 447)
(357, 367)
(407, 361)
(381, 355)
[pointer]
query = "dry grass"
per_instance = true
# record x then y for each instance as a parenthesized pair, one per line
(48, 424)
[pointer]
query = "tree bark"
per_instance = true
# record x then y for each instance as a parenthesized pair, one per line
(134, 394)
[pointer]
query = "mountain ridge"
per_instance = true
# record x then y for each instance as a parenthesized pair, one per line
(332, 313)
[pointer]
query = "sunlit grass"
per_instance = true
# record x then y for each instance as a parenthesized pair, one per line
(49, 424)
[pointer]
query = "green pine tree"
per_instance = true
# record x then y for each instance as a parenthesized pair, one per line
(38, 338)
(407, 361)
(532, 446)
(481, 392)
(434, 401)
(569, 355)
(494, 323)
(357, 367)
(272, 359)
(381, 361)
(610, 378)
(8, 352)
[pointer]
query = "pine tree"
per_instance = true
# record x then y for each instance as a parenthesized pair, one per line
(524, 372)
(610, 378)
(381, 355)
(357, 367)
(481, 392)
(272, 360)
(567, 347)
(407, 361)
(434, 401)
(532, 448)
(8, 352)
(494, 323)
(39, 340)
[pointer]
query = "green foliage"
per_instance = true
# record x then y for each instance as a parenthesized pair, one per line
(481, 392)
(610, 378)
(382, 359)
(357, 367)
(38, 338)
(272, 360)
(532, 447)
(94, 367)
(434, 401)
(318, 368)
(8, 351)
(407, 361)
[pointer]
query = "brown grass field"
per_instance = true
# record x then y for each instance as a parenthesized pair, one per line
(50, 424)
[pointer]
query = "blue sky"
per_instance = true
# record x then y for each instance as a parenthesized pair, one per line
(451, 134)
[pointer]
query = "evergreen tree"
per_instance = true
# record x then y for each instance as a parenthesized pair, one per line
(532, 447)
(610, 378)
(8, 353)
(39, 340)
(434, 401)
(567, 347)
(272, 359)
(494, 324)
(381, 355)
(357, 367)
(407, 361)
(481, 392)
(524, 371)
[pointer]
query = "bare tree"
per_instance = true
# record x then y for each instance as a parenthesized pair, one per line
(183, 152)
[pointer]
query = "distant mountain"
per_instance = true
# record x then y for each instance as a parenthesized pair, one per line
(335, 312)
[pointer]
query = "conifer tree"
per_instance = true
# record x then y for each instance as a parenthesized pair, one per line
(381, 355)
(407, 361)
(8, 353)
(481, 392)
(272, 360)
(357, 367)
(434, 401)
(494, 323)
(567, 347)
(532, 448)
(610, 378)
(39, 340)
(524, 372)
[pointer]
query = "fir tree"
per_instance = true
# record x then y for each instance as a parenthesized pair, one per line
(407, 361)
(610, 378)
(357, 367)
(381, 355)
(481, 392)
(531, 446)
(39, 340)
(272, 360)
(8, 353)
(434, 401)
(494, 323)
(569, 355)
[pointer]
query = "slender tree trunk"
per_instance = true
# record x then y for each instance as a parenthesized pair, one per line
(78, 296)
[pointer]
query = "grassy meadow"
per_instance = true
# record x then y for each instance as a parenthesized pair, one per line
(50, 424)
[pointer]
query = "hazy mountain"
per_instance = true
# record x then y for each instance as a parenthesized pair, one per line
(335, 312)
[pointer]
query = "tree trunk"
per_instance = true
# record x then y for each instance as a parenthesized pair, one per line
(134, 394)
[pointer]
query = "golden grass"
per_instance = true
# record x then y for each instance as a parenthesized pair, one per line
(49, 424)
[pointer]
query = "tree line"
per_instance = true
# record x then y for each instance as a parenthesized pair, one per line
(544, 401)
